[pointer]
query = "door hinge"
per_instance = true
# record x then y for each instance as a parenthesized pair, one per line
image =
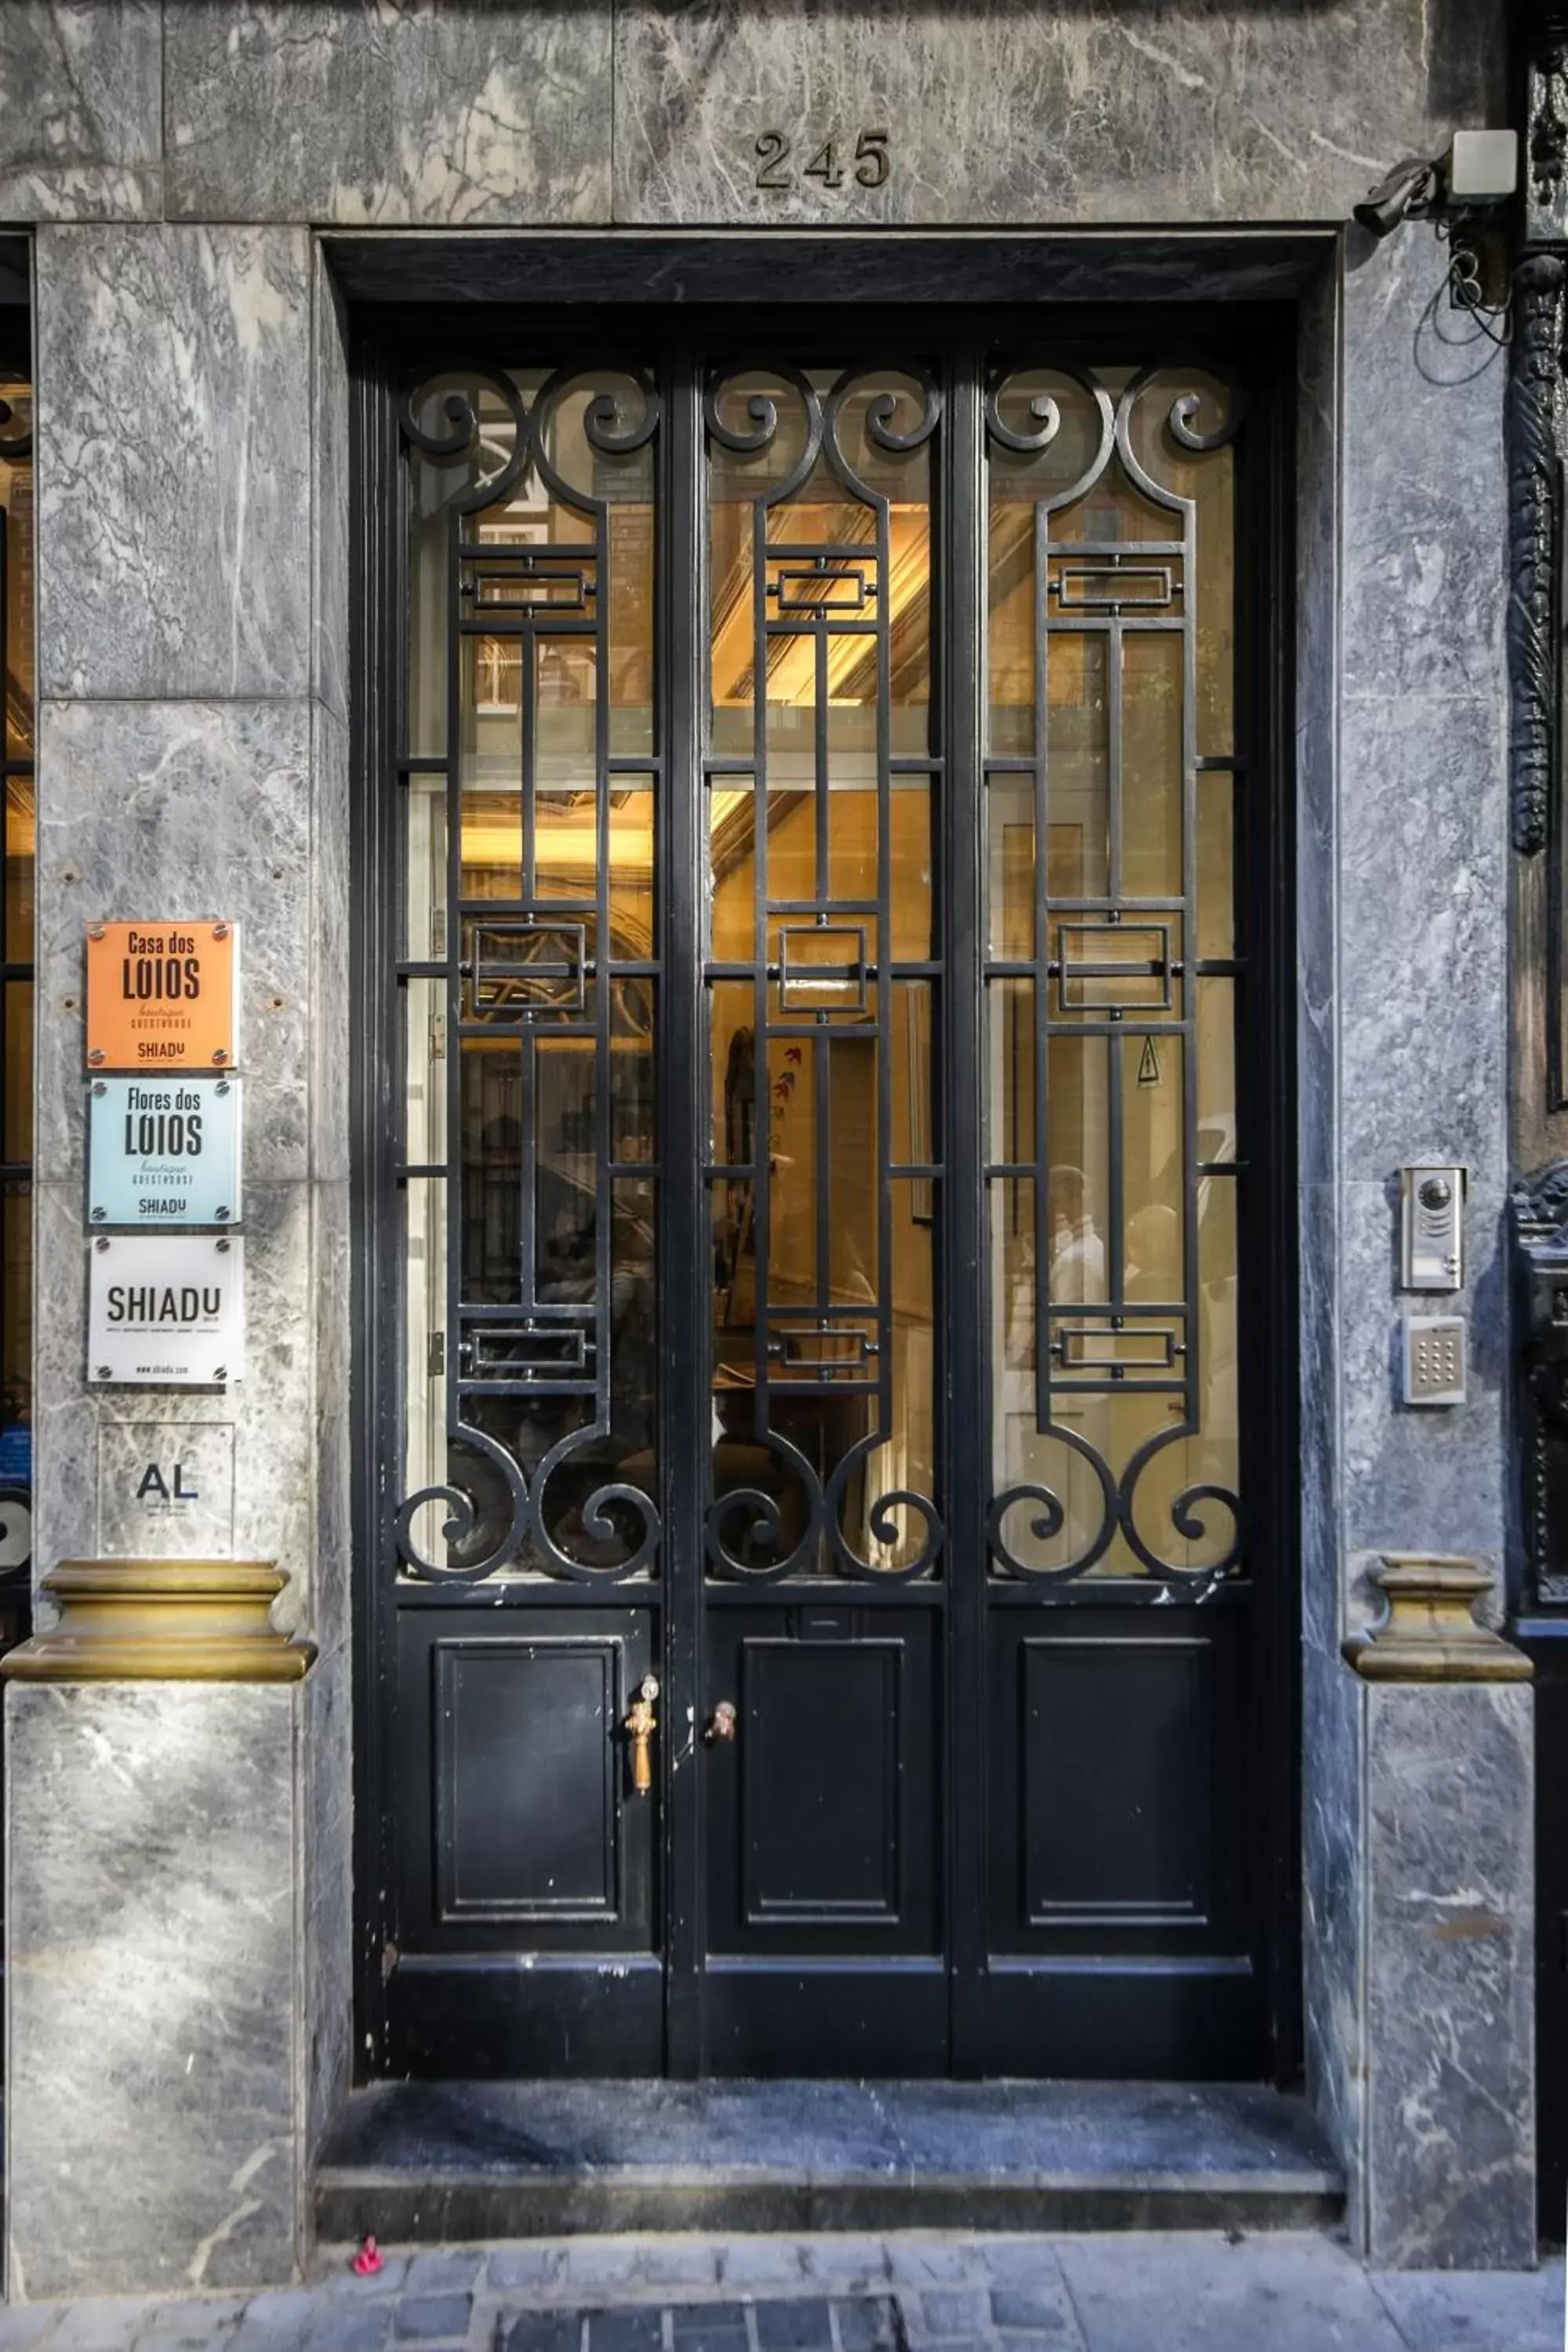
(435, 1357)
(438, 932)
(437, 1036)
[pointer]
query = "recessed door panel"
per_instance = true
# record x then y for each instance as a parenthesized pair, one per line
(1113, 1776)
(530, 1778)
(821, 1732)
(824, 1832)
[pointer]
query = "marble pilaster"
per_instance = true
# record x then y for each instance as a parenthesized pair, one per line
(1417, 1939)
(152, 2024)
(1450, 2087)
(173, 442)
(193, 756)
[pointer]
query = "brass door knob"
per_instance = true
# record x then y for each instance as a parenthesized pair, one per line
(722, 1722)
(641, 1725)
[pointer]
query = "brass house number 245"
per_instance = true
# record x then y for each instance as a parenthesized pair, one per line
(869, 163)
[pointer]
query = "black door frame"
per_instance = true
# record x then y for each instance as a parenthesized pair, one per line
(1261, 335)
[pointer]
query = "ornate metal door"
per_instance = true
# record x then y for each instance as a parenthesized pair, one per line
(810, 1619)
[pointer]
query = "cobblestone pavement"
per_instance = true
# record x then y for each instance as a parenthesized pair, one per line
(1188, 2293)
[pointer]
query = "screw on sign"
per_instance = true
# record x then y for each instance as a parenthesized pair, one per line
(161, 995)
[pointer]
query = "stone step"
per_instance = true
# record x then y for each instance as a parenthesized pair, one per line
(447, 2161)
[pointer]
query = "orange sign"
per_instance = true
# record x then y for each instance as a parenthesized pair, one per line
(162, 996)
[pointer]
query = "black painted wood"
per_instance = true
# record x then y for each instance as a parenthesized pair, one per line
(968, 1825)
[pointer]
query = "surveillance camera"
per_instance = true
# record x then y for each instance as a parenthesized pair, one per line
(1409, 191)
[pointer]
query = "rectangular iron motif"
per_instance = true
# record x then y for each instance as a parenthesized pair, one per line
(1081, 587)
(824, 1348)
(823, 586)
(534, 1353)
(1135, 957)
(1114, 1350)
(529, 966)
(822, 968)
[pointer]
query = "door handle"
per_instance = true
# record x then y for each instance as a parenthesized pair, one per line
(722, 1722)
(641, 1724)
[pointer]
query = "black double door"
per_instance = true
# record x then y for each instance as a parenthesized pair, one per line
(818, 1319)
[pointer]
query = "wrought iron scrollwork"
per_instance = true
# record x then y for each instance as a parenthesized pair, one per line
(1082, 1506)
(1534, 494)
(787, 1514)
(534, 966)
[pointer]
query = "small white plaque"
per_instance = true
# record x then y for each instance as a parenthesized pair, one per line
(165, 1311)
(165, 1490)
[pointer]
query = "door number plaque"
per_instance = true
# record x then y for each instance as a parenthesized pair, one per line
(164, 1152)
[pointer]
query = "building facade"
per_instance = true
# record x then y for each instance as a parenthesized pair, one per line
(842, 672)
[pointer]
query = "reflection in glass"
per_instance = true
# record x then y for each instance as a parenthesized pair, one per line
(1110, 1082)
(531, 1033)
(820, 1040)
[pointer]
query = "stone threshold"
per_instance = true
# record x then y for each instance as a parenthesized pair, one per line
(438, 2162)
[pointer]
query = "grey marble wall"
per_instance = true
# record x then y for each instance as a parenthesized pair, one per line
(193, 429)
(192, 449)
(1423, 881)
(1450, 1996)
(152, 2022)
(1417, 1957)
(497, 112)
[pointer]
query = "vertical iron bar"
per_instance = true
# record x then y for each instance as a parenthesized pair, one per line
(958, 609)
(1189, 951)
(1113, 809)
(598, 952)
(763, 1112)
(680, 608)
(1040, 983)
(457, 1177)
(823, 891)
(822, 1160)
(882, 949)
(1115, 1171)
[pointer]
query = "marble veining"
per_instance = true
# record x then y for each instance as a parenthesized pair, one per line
(173, 461)
(1423, 997)
(81, 128)
(151, 1934)
(1096, 112)
(324, 1861)
(1450, 2164)
(427, 114)
(330, 493)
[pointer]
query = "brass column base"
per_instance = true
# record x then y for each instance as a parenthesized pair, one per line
(183, 1621)
(1430, 1633)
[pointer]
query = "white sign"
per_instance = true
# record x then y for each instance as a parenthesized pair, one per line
(165, 1311)
(164, 1152)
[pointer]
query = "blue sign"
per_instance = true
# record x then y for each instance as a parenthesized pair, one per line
(164, 1152)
